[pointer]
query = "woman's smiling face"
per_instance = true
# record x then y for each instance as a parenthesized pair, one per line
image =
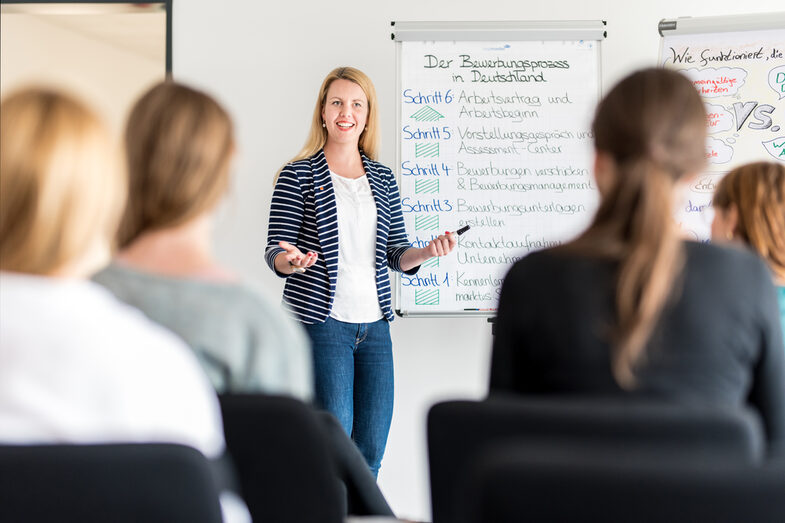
(345, 112)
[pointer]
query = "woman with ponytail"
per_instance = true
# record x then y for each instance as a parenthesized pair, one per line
(629, 307)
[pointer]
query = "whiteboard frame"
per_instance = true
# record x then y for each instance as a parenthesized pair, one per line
(721, 24)
(501, 30)
(545, 30)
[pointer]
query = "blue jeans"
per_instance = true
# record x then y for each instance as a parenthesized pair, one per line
(353, 371)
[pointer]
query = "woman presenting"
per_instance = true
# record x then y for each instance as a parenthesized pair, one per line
(335, 228)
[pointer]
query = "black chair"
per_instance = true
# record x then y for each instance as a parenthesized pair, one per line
(363, 497)
(459, 430)
(281, 458)
(553, 484)
(121, 483)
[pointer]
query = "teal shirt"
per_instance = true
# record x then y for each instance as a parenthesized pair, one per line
(781, 299)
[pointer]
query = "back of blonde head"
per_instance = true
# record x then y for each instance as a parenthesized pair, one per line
(757, 190)
(652, 126)
(179, 142)
(62, 184)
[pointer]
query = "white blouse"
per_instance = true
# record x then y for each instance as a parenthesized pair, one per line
(355, 300)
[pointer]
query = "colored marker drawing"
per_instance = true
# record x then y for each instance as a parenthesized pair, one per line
(427, 114)
(426, 222)
(712, 82)
(426, 297)
(777, 81)
(718, 151)
(718, 119)
(426, 150)
(776, 148)
(426, 186)
(433, 262)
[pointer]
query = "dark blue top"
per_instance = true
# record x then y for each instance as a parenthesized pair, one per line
(303, 213)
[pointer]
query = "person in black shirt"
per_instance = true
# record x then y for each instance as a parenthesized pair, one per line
(629, 307)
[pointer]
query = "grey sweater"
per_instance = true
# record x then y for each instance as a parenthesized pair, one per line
(244, 343)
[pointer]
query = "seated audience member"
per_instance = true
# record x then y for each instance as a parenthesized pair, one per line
(749, 206)
(76, 364)
(630, 308)
(179, 144)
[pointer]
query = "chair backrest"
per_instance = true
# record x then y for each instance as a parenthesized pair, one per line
(458, 430)
(281, 459)
(547, 484)
(98, 483)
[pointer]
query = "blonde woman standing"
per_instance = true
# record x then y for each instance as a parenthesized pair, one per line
(180, 145)
(628, 308)
(335, 229)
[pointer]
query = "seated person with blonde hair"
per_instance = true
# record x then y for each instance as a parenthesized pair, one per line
(76, 364)
(179, 144)
(749, 206)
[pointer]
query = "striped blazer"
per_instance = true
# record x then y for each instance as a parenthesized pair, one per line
(303, 213)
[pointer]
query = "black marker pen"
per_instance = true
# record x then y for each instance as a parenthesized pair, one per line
(462, 230)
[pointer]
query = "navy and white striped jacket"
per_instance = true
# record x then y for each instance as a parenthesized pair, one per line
(303, 213)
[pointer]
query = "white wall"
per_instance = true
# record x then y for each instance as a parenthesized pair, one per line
(266, 60)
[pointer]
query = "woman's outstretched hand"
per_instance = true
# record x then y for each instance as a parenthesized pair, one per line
(293, 260)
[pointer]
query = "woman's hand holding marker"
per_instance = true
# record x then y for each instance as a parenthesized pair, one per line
(440, 246)
(297, 261)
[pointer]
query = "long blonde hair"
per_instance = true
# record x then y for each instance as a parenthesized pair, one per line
(62, 184)
(317, 136)
(652, 125)
(179, 143)
(757, 190)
